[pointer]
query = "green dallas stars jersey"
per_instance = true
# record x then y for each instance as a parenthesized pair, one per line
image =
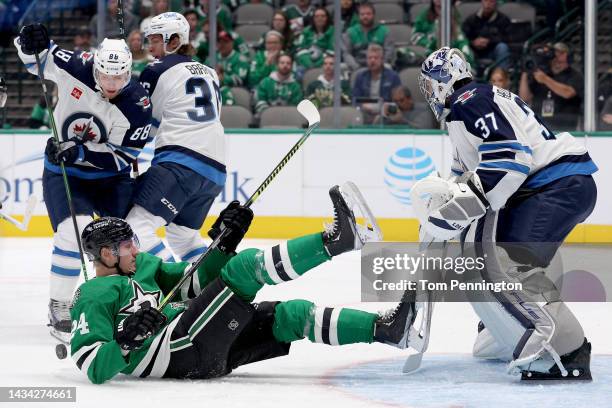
(100, 304)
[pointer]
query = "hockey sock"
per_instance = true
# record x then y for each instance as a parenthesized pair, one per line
(187, 243)
(65, 259)
(296, 319)
(248, 271)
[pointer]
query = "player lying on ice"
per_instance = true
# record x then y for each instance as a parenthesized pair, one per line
(116, 327)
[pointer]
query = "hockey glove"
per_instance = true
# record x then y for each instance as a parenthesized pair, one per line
(238, 219)
(136, 328)
(34, 38)
(66, 152)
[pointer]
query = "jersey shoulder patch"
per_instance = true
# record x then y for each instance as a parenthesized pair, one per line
(78, 64)
(134, 103)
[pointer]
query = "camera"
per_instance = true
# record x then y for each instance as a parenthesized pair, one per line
(539, 58)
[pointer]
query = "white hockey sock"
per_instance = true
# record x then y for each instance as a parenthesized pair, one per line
(145, 226)
(187, 243)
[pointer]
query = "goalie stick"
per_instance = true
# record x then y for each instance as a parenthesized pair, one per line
(23, 225)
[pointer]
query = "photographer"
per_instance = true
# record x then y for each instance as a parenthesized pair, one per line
(404, 111)
(552, 87)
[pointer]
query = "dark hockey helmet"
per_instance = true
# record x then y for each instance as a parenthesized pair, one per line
(105, 232)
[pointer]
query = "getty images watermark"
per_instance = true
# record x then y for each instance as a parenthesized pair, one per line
(482, 272)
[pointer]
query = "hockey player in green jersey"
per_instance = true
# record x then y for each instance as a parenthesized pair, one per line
(116, 327)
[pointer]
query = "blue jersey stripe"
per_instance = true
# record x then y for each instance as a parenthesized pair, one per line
(560, 170)
(157, 249)
(84, 174)
(485, 147)
(203, 169)
(505, 165)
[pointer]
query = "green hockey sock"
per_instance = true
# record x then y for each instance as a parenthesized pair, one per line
(296, 319)
(248, 271)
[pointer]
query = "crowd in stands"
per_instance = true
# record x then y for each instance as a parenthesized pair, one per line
(293, 56)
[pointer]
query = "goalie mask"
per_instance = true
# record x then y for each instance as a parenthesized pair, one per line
(167, 25)
(439, 72)
(112, 66)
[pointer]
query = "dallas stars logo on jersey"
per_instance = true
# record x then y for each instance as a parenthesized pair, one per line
(140, 297)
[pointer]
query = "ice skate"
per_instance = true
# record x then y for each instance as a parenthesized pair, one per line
(345, 233)
(393, 327)
(577, 365)
(59, 320)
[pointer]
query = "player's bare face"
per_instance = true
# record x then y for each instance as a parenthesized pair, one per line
(111, 84)
(156, 45)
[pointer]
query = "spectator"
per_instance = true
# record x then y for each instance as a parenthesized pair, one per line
(500, 78)
(554, 91)
(227, 97)
(159, 6)
(140, 56)
(404, 111)
(111, 26)
(82, 40)
(234, 4)
(235, 66)
(357, 38)
(605, 117)
(39, 118)
(349, 14)
(487, 29)
(196, 36)
(265, 61)
(315, 40)
(374, 83)
(321, 91)
(280, 23)
(426, 31)
(224, 17)
(299, 15)
(279, 88)
(202, 49)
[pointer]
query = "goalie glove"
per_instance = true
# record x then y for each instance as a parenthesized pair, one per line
(445, 208)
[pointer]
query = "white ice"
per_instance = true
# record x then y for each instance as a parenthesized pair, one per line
(312, 375)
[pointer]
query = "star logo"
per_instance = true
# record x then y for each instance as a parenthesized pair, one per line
(140, 297)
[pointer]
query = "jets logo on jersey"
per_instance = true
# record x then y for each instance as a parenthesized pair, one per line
(466, 96)
(144, 102)
(76, 93)
(140, 297)
(84, 126)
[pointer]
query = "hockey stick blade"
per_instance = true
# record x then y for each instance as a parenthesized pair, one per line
(309, 112)
(413, 362)
(32, 201)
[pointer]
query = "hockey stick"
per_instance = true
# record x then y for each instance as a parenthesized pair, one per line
(32, 201)
(123, 35)
(308, 111)
(41, 78)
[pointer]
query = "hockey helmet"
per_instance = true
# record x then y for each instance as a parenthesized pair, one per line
(108, 232)
(113, 57)
(439, 72)
(167, 25)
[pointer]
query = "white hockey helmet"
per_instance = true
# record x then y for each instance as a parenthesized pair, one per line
(113, 57)
(439, 72)
(168, 24)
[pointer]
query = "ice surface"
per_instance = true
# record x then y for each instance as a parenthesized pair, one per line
(312, 375)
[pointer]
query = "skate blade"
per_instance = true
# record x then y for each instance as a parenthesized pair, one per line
(368, 230)
(62, 337)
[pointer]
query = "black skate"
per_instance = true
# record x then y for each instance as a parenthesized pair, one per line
(393, 327)
(577, 364)
(344, 233)
(59, 320)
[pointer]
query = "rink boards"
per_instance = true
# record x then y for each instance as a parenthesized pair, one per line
(383, 163)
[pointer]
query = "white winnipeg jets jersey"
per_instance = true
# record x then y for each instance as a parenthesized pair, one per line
(496, 134)
(114, 131)
(186, 115)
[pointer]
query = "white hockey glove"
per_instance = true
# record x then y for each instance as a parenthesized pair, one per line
(445, 208)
